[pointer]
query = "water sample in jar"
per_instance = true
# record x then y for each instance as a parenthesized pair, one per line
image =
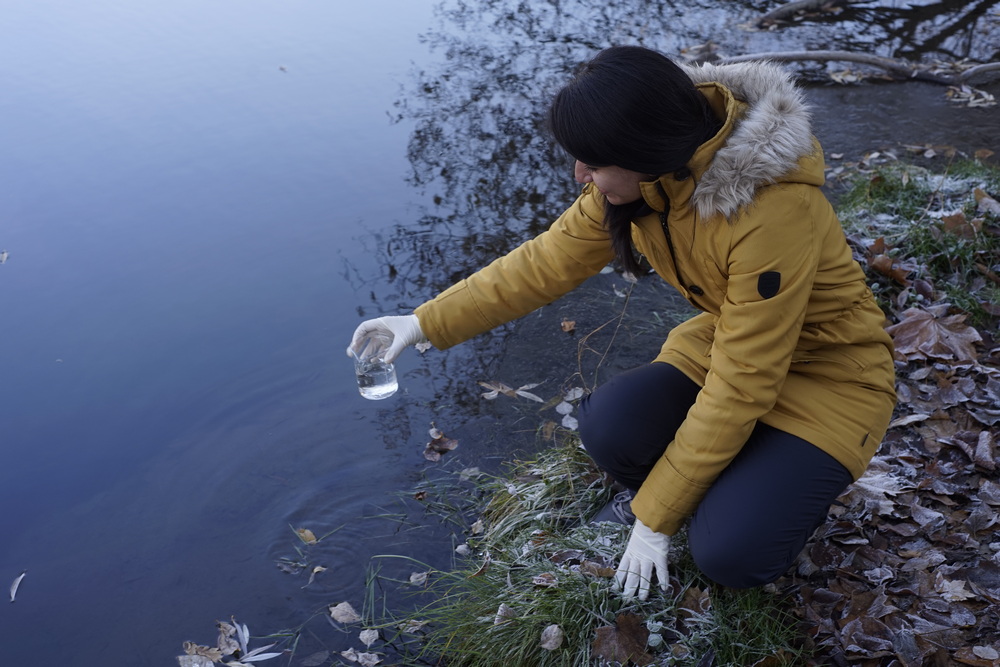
(376, 376)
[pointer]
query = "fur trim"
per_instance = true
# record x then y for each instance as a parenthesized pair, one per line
(766, 143)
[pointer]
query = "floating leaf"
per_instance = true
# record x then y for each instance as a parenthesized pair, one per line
(306, 535)
(14, 586)
(411, 626)
(316, 659)
(312, 575)
(439, 445)
(623, 641)
(569, 326)
(419, 578)
(210, 652)
(364, 659)
(344, 613)
(368, 637)
(194, 661)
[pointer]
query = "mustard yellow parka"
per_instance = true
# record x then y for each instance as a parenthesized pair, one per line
(789, 333)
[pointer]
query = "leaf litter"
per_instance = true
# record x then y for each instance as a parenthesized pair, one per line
(907, 571)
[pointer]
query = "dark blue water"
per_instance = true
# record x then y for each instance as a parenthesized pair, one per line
(190, 194)
(200, 201)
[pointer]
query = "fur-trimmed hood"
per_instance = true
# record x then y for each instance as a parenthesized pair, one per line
(766, 142)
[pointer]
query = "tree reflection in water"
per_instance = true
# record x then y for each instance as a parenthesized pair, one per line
(480, 150)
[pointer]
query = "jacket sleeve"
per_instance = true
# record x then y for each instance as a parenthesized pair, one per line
(772, 262)
(532, 275)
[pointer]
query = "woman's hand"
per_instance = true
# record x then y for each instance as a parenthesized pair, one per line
(646, 552)
(403, 330)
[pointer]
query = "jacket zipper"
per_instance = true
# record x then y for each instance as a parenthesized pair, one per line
(670, 242)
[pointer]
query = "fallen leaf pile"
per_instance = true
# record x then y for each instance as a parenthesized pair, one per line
(231, 649)
(908, 571)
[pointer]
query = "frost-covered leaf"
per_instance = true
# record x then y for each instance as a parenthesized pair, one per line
(552, 638)
(986, 204)
(952, 591)
(922, 335)
(545, 580)
(504, 614)
(625, 640)
(419, 578)
(570, 422)
(344, 613)
(574, 394)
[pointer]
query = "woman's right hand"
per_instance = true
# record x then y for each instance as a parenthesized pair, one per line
(404, 330)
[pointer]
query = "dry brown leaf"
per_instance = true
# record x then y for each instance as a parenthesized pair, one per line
(889, 267)
(569, 326)
(623, 641)
(439, 444)
(596, 569)
(344, 613)
(545, 580)
(922, 335)
(958, 225)
(210, 652)
(986, 204)
(306, 535)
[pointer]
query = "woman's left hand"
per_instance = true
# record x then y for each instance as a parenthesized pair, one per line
(646, 552)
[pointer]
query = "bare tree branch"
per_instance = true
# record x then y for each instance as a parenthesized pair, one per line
(787, 11)
(899, 68)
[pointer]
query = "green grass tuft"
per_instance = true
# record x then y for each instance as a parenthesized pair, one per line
(490, 610)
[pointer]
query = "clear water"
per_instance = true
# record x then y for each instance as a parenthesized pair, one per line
(377, 380)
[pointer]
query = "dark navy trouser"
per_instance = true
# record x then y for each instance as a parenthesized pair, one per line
(757, 515)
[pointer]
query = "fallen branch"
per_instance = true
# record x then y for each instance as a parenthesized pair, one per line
(787, 11)
(899, 68)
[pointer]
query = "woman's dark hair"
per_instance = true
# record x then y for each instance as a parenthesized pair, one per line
(634, 108)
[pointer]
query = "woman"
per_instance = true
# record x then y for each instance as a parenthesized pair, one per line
(757, 412)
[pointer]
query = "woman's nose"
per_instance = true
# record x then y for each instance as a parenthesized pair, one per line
(580, 173)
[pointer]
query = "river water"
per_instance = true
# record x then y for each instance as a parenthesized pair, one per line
(201, 200)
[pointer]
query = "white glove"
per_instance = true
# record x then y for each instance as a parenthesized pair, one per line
(646, 551)
(403, 330)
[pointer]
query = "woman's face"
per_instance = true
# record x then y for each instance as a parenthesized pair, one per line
(619, 186)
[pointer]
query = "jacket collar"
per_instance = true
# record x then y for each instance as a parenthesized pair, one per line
(766, 132)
